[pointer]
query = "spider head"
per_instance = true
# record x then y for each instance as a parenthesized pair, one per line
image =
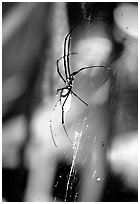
(69, 82)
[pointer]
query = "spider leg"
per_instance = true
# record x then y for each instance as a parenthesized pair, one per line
(81, 69)
(51, 122)
(59, 90)
(58, 69)
(66, 60)
(73, 53)
(63, 117)
(65, 63)
(90, 67)
(68, 64)
(79, 98)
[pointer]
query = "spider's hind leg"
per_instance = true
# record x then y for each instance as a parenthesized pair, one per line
(79, 98)
(51, 122)
(63, 117)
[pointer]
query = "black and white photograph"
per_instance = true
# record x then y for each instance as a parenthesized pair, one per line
(70, 101)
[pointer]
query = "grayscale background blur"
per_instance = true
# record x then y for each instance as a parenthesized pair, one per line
(33, 169)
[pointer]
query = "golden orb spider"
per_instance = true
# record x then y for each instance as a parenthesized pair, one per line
(68, 81)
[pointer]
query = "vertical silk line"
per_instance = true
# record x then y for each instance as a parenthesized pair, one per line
(75, 148)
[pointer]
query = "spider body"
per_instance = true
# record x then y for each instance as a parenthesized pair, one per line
(68, 80)
(67, 88)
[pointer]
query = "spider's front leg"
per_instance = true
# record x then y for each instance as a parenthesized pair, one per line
(58, 69)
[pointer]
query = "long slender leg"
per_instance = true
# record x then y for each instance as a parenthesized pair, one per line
(81, 69)
(63, 117)
(65, 63)
(69, 34)
(79, 98)
(68, 63)
(72, 53)
(51, 122)
(90, 67)
(58, 69)
(67, 72)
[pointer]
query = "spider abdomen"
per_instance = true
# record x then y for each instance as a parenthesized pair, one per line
(65, 91)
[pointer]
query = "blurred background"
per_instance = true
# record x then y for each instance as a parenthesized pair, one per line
(101, 165)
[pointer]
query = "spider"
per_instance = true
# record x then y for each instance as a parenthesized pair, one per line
(68, 81)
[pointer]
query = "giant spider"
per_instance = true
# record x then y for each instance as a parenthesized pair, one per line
(68, 80)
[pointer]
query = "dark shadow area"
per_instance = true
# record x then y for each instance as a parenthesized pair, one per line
(61, 179)
(14, 183)
(115, 191)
